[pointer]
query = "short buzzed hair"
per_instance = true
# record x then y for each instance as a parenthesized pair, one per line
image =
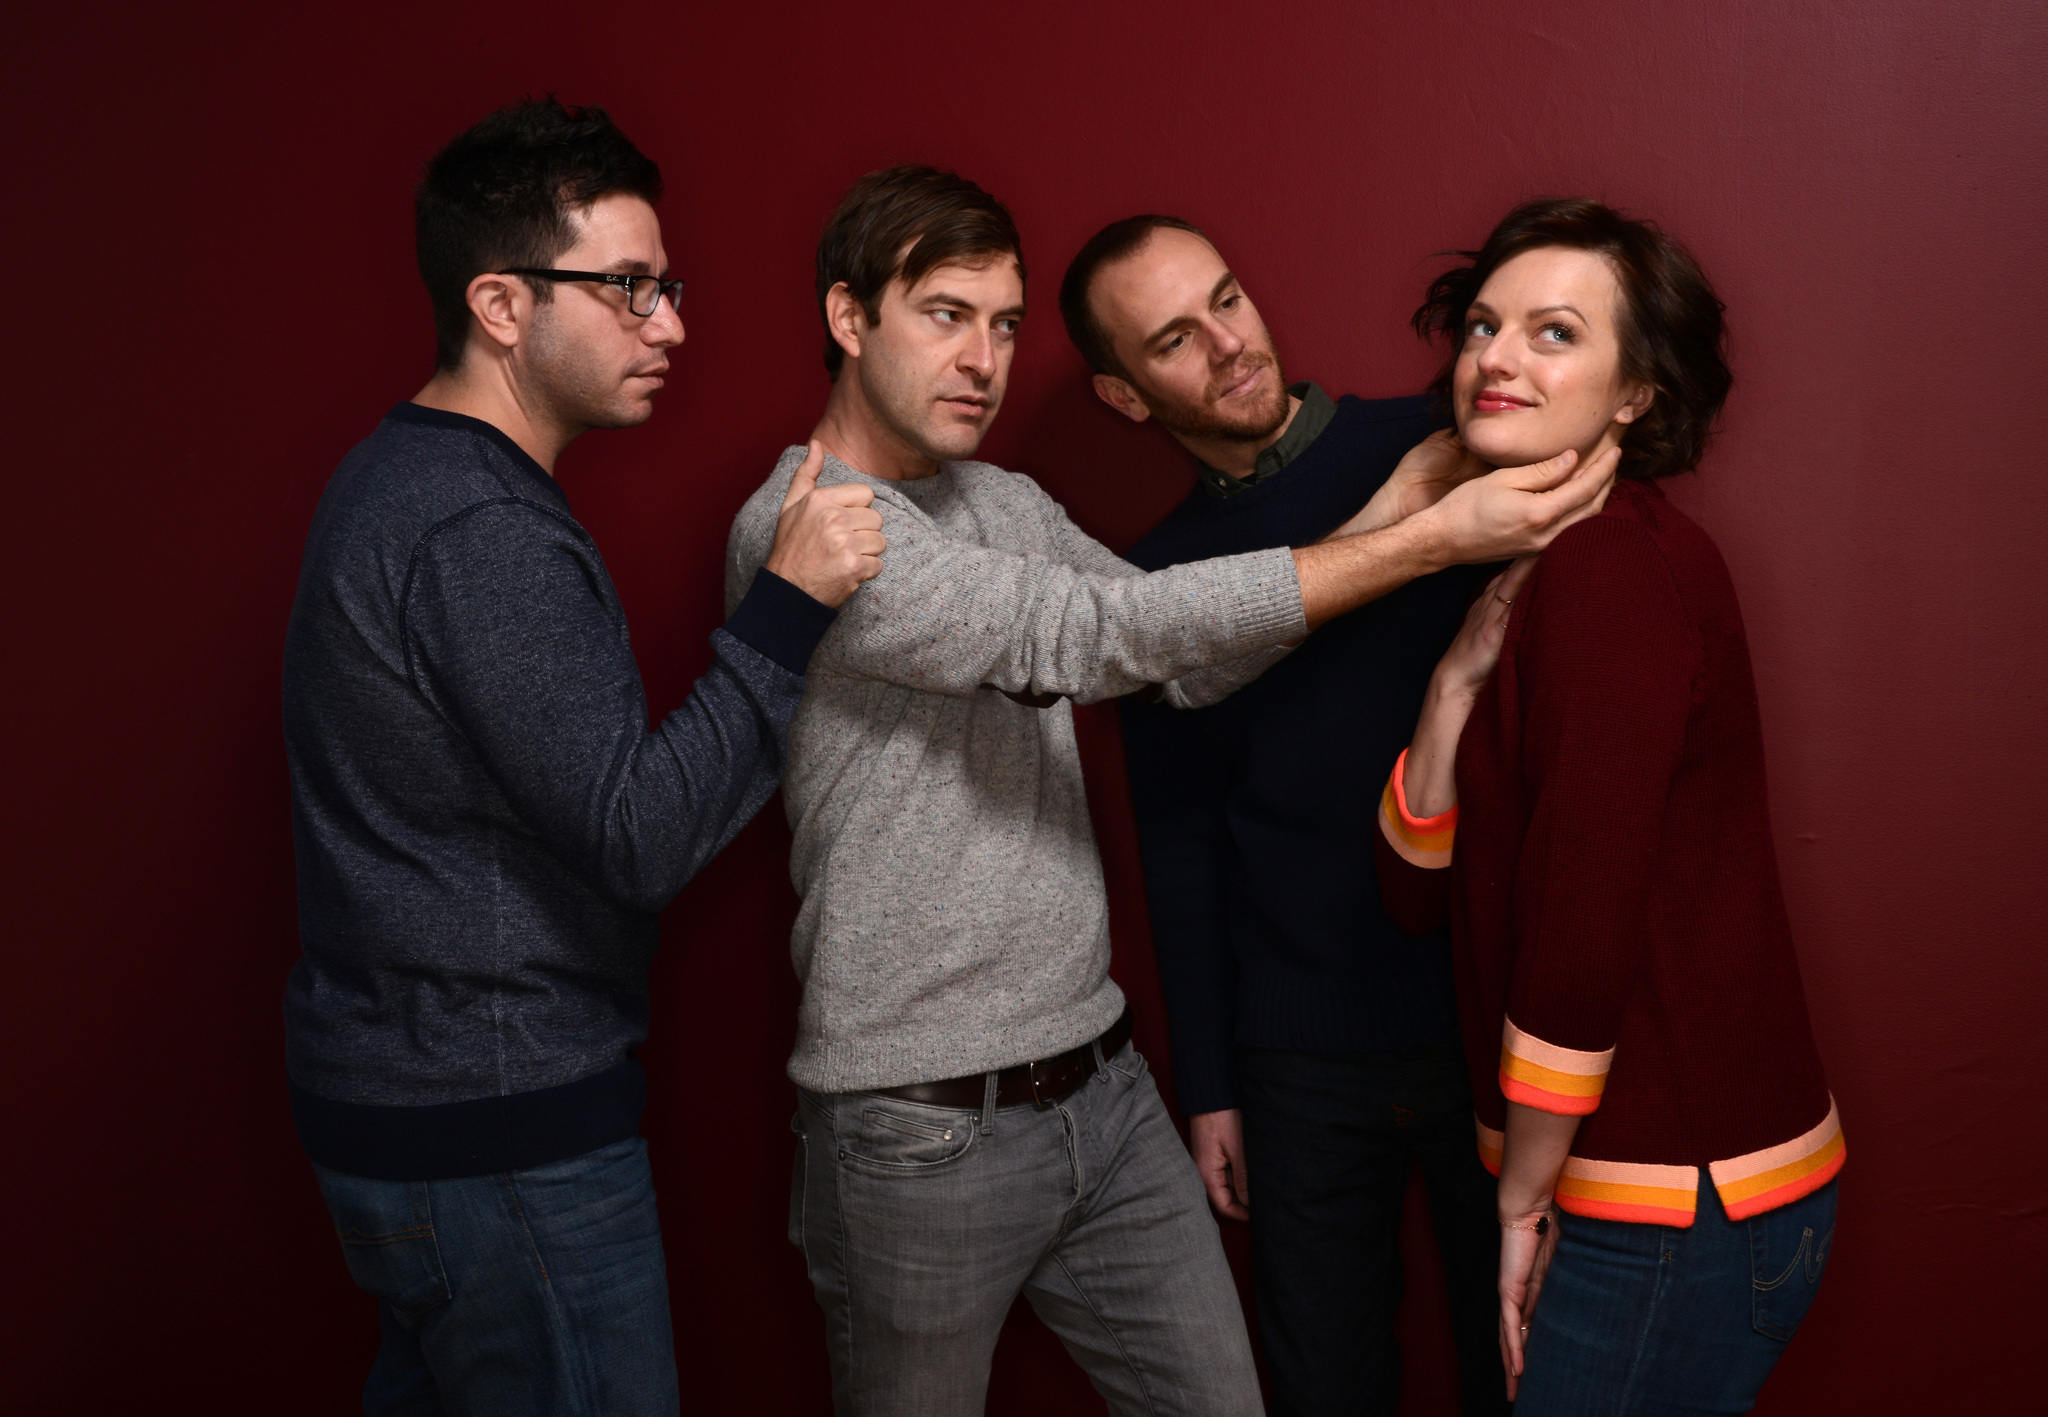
(906, 222)
(1105, 248)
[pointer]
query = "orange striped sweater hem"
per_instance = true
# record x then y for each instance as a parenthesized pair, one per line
(1669, 1195)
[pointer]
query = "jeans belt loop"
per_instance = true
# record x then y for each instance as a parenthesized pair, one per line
(988, 1104)
(1101, 1063)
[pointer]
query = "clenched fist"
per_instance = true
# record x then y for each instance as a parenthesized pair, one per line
(828, 539)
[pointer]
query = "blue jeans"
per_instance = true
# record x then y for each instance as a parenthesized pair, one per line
(540, 1291)
(1652, 1321)
(921, 1225)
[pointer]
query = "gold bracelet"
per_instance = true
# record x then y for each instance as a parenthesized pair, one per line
(1541, 1227)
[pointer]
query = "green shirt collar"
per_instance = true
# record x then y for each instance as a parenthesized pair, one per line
(1314, 415)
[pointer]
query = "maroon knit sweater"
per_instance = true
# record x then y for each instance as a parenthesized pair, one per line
(1620, 936)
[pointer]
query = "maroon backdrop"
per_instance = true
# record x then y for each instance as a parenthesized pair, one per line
(211, 297)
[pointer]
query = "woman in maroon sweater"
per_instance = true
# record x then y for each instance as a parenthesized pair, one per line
(1590, 816)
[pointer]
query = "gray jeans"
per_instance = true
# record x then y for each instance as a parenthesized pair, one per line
(922, 1224)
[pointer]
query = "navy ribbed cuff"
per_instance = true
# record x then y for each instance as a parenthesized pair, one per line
(780, 621)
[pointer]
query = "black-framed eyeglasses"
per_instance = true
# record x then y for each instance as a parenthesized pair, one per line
(641, 291)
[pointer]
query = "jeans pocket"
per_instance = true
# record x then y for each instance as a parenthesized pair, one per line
(387, 1236)
(1788, 1251)
(1128, 1063)
(905, 1136)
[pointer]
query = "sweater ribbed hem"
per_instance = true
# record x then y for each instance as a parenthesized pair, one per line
(485, 1136)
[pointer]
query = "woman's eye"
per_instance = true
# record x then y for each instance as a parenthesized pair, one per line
(1483, 329)
(1556, 334)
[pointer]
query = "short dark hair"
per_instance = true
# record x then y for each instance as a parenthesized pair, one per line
(504, 194)
(1105, 248)
(907, 221)
(1671, 329)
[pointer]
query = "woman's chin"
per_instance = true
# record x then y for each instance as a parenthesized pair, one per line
(1489, 447)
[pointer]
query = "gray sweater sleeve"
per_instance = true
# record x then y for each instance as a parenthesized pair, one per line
(508, 638)
(952, 617)
(1197, 688)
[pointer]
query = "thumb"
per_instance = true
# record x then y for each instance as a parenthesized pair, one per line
(1551, 472)
(806, 479)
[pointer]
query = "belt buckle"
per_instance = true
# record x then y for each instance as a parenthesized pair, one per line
(1037, 1100)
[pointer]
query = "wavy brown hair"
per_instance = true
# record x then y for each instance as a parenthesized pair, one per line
(1671, 330)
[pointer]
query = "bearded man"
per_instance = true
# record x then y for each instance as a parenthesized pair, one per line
(1315, 1045)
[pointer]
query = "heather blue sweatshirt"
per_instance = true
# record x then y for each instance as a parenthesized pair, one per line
(485, 826)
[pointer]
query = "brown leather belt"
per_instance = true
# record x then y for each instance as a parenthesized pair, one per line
(1041, 1083)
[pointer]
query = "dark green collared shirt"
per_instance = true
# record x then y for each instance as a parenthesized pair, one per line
(1314, 415)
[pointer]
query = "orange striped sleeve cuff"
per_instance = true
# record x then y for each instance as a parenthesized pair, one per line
(1542, 1075)
(1491, 1145)
(1627, 1190)
(1778, 1175)
(1420, 841)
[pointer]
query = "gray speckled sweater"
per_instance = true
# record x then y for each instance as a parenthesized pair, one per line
(954, 919)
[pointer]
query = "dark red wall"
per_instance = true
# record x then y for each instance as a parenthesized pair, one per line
(209, 298)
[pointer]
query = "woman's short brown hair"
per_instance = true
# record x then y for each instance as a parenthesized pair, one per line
(1671, 329)
(907, 221)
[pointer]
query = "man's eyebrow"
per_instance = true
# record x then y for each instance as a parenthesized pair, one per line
(961, 302)
(626, 266)
(1223, 283)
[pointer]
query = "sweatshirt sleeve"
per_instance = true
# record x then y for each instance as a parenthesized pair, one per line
(508, 636)
(952, 617)
(1607, 660)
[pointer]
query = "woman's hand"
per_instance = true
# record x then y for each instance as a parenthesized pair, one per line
(1524, 1260)
(1469, 662)
(1428, 781)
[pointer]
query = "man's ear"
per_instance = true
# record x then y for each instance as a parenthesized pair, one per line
(845, 319)
(1638, 404)
(1121, 397)
(500, 305)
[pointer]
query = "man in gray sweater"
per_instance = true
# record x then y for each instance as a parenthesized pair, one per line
(973, 1121)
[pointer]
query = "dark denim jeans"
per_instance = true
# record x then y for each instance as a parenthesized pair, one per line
(534, 1292)
(1651, 1321)
(1330, 1141)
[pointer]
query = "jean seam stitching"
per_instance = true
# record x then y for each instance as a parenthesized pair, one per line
(1635, 1364)
(1151, 1403)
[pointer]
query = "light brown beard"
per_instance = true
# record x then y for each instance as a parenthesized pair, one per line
(1201, 420)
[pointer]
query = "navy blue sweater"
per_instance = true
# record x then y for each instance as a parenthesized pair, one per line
(485, 825)
(1255, 816)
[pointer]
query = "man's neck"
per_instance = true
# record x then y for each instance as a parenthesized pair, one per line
(1238, 456)
(490, 394)
(852, 432)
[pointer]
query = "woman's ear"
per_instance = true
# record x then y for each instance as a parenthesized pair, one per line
(1637, 404)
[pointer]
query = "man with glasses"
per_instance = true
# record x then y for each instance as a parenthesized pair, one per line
(485, 826)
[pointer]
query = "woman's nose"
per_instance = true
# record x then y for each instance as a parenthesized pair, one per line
(1496, 359)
